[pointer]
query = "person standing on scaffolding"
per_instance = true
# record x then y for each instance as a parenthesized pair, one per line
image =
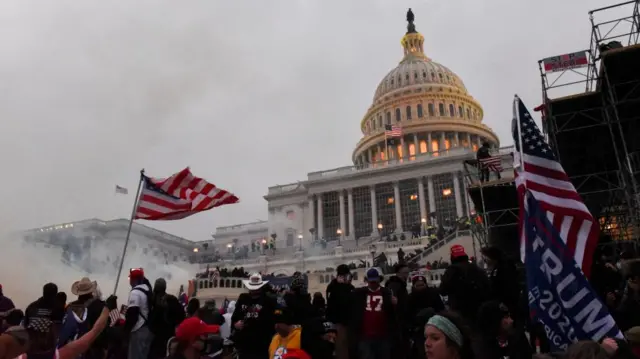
(487, 163)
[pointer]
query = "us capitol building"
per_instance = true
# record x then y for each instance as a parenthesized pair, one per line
(391, 189)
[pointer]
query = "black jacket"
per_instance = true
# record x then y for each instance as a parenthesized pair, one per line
(358, 304)
(505, 286)
(467, 287)
(300, 306)
(517, 347)
(399, 289)
(257, 313)
(422, 299)
(338, 302)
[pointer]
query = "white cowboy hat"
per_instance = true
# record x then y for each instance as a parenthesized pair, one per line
(254, 282)
(84, 286)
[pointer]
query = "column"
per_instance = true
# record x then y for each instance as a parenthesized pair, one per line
(479, 140)
(457, 139)
(432, 197)
(457, 194)
(404, 150)
(469, 140)
(429, 148)
(320, 229)
(313, 219)
(416, 144)
(442, 137)
(342, 214)
(352, 214)
(423, 206)
(369, 156)
(397, 207)
(381, 151)
(374, 212)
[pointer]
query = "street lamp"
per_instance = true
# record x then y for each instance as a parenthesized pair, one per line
(195, 250)
(424, 226)
(372, 250)
(264, 243)
(300, 240)
(380, 230)
(339, 232)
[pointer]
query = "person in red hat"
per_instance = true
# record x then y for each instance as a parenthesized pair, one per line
(137, 315)
(195, 339)
(465, 284)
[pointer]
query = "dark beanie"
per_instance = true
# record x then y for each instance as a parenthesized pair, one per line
(343, 269)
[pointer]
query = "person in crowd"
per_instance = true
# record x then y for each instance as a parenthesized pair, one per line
(422, 297)
(498, 336)
(166, 314)
(6, 305)
(484, 152)
(627, 315)
(374, 324)
(587, 350)
(253, 320)
(192, 307)
(80, 317)
(12, 318)
(447, 337)
(61, 297)
(225, 328)
(298, 300)
(466, 285)
(43, 319)
(136, 322)
(338, 294)
(195, 339)
(417, 333)
(633, 337)
(319, 305)
(503, 276)
(288, 336)
(397, 283)
(318, 338)
(210, 314)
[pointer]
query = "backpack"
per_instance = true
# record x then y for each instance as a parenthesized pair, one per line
(147, 319)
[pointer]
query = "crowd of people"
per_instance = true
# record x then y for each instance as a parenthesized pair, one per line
(484, 316)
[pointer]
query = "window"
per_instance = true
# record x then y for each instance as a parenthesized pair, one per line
(388, 118)
(435, 146)
(424, 74)
(468, 114)
(447, 143)
(408, 112)
(415, 75)
(431, 109)
(380, 121)
(412, 150)
(440, 75)
(406, 77)
(433, 76)
(460, 112)
(441, 109)
(423, 146)
(386, 208)
(409, 205)
(420, 110)
(398, 115)
(452, 111)
(400, 151)
(362, 211)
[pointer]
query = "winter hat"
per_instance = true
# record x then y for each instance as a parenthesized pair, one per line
(457, 251)
(284, 316)
(343, 269)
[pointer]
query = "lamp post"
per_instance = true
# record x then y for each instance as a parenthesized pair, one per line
(195, 250)
(300, 240)
(372, 250)
(424, 226)
(264, 243)
(339, 232)
(380, 231)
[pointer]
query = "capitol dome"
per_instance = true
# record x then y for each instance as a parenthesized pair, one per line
(425, 105)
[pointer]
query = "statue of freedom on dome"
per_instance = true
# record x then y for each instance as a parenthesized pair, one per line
(411, 28)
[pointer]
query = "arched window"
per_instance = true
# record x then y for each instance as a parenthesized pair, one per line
(420, 110)
(431, 110)
(398, 115)
(408, 112)
(412, 150)
(388, 118)
(424, 74)
(373, 124)
(423, 146)
(460, 112)
(433, 76)
(400, 152)
(435, 147)
(452, 111)
(441, 109)
(440, 75)
(380, 121)
(468, 114)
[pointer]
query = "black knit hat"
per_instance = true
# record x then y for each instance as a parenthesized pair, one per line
(343, 269)
(283, 315)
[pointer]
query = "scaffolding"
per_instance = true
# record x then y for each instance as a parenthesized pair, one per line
(602, 108)
(494, 219)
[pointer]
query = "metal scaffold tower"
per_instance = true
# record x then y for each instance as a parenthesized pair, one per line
(591, 108)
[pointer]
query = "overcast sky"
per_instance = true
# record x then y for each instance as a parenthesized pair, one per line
(249, 94)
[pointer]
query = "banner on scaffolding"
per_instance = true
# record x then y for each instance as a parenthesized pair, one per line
(566, 62)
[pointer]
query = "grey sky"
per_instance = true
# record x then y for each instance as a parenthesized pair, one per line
(248, 93)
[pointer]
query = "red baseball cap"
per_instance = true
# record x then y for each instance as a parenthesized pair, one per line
(296, 354)
(457, 251)
(136, 273)
(192, 328)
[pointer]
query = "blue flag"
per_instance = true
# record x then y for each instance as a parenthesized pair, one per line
(560, 296)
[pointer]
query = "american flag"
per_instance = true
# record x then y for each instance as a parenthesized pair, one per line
(493, 163)
(538, 172)
(392, 131)
(179, 196)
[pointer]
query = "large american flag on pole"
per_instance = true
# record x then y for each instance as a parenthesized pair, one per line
(538, 171)
(179, 196)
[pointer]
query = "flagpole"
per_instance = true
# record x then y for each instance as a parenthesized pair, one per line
(516, 113)
(386, 146)
(126, 241)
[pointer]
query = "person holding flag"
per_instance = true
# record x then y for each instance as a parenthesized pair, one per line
(558, 238)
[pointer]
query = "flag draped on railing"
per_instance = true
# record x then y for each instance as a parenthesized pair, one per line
(538, 171)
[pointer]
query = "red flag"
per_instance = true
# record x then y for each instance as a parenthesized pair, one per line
(179, 196)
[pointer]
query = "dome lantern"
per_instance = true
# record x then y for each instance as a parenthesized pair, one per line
(412, 41)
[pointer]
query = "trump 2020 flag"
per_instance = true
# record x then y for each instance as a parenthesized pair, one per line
(560, 296)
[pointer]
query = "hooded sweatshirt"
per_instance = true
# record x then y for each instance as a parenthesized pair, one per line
(225, 329)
